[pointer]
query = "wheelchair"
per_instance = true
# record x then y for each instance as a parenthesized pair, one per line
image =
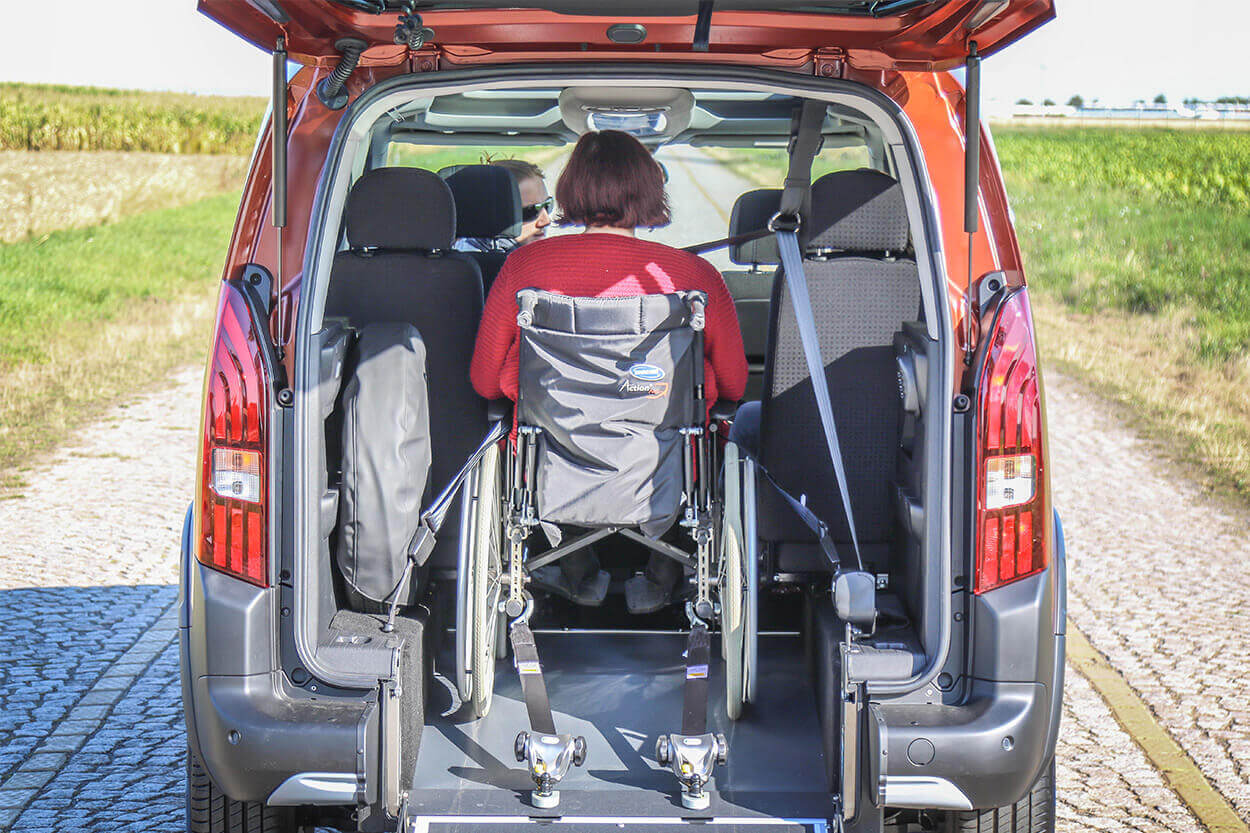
(611, 437)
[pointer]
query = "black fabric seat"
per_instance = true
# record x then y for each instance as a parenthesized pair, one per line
(400, 225)
(488, 213)
(752, 288)
(863, 287)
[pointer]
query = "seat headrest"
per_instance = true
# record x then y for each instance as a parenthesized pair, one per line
(488, 201)
(858, 211)
(400, 208)
(751, 212)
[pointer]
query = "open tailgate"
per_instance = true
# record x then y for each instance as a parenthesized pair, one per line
(918, 35)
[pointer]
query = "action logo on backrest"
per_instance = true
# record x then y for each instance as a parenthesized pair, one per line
(645, 379)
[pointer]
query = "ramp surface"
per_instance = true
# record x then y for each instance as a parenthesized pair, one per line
(621, 691)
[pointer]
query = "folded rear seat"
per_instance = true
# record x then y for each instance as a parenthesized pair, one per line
(400, 225)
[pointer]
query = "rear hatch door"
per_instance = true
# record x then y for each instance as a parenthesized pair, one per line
(918, 35)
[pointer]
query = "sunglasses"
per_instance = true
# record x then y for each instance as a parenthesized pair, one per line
(529, 213)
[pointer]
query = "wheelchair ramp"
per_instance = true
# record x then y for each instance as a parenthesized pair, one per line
(621, 691)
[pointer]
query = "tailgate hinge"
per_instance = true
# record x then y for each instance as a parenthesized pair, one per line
(829, 62)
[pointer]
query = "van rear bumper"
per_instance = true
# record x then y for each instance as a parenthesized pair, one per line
(253, 737)
(987, 753)
(251, 729)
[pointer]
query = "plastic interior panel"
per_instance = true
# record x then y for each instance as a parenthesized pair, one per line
(621, 691)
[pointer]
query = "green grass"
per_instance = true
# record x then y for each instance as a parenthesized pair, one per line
(54, 117)
(1149, 222)
(82, 277)
(1136, 243)
(89, 317)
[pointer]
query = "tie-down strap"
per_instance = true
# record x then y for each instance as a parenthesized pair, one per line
(698, 658)
(533, 689)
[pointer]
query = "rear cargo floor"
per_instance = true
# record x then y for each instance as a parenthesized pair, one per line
(622, 690)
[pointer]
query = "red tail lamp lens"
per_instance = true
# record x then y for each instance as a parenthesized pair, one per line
(234, 479)
(1011, 499)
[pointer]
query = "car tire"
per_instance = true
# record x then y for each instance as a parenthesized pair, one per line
(209, 810)
(1035, 813)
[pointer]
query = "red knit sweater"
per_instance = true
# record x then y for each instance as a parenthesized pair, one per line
(605, 265)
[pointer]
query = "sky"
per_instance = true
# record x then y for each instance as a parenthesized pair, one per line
(1114, 50)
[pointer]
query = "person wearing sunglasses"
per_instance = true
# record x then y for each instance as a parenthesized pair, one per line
(536, 203)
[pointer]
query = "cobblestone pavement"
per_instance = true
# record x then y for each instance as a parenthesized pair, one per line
(1159, 581)
(90, 713)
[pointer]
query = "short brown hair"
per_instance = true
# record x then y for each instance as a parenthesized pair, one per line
(519, 168)
(611, 180)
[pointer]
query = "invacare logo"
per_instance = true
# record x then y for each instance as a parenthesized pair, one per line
(647, 372)
(645, 379)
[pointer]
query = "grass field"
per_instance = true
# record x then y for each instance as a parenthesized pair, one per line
(1137, 247)
(46, 191)
(53, 117)
(91, 316)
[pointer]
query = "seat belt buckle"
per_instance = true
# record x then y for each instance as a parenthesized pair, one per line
(692, 758)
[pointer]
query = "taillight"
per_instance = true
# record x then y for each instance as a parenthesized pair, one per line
(1011, 499)
(234, 481)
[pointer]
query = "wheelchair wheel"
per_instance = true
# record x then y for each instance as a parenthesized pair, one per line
(739, 593)
(485, 585)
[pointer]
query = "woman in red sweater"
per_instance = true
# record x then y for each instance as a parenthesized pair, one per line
(611, 186)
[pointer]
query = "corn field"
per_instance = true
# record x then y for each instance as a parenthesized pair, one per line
(51, 117)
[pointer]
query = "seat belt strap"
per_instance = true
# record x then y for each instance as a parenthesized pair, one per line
(796, 282)
(725, 242)
(533, 688)
(698, 660)
(433, 518)
(795, 204)
(796, 191)
(817, 527)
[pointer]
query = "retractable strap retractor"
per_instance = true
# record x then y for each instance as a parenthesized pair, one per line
(692, 754)
(549, 755)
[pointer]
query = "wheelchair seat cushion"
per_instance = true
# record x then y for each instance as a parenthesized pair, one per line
(609, 384)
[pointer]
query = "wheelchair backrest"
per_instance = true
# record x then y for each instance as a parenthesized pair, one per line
(609, 384)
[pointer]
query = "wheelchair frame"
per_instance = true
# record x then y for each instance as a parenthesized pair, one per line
(712, 523)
